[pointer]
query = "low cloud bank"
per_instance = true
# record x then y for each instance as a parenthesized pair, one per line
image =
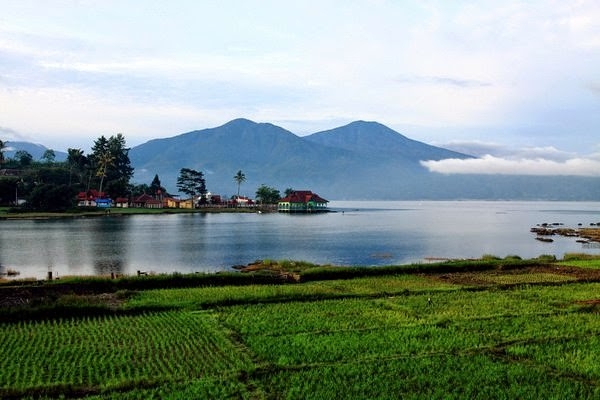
(492, 165)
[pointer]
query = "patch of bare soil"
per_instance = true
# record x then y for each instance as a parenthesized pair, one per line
(35, 296)
(475, 278)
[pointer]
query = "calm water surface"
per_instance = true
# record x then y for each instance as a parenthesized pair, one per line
(359, 233)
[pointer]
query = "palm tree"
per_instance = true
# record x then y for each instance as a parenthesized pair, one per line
(239, 178)
(104, 161)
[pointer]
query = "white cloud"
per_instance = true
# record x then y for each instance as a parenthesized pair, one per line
(491, 165)
(479, 148)
(526, 69)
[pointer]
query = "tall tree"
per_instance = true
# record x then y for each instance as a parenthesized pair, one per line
(192, 183)
(239, 178)
(105, 160)
(49, 156)
(76, 160)
(24, 158)
(267, 195)
(156, 188)
(119, 171)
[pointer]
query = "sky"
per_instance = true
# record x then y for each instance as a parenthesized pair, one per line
(515, 83)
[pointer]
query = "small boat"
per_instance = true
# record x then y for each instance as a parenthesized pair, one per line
(544, 239)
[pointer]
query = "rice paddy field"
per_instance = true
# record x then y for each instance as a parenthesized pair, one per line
(499, 333)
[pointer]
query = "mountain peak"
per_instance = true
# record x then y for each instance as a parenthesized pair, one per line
(239, 122)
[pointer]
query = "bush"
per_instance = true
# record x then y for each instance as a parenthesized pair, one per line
(547, 258)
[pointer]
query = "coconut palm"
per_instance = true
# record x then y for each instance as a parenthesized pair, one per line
(105, 160)
(239, 178)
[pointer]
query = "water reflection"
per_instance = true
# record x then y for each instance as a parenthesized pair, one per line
(109, 245)
(390, 233)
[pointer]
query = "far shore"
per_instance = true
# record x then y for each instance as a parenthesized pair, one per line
(16, 213)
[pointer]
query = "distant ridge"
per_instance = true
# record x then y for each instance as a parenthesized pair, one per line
(377, 139)
(36, 150)
(359, 161)
(363, 160)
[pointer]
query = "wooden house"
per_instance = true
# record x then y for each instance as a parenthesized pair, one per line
(171, 202)
(146, 201)
(302, 201)
(187, 203)
(88, 199)
(122, 202)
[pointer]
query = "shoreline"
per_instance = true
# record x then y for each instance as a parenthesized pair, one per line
(8, 213)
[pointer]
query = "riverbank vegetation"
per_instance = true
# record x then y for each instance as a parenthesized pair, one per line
(493, 328)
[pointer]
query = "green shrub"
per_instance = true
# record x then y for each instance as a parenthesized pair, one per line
(547, 258)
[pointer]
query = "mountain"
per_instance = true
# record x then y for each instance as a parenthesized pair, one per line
(378, 140)
(36, 150)
(267, 154)
(358, 161)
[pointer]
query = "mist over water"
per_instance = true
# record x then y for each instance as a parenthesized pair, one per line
(357, 233)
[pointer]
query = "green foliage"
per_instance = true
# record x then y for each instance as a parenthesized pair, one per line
(547, 258)
(191, 182)
(581, 260)
(49, 156)
(51, 197)
(115, 353)
(23, 158)
(402, 335)
(155, 187)
(109, 165)
(267, 195)
(239, 178)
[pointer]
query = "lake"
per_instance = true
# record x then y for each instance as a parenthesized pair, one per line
(357, 233)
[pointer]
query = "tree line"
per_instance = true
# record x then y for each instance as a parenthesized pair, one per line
(49, 185)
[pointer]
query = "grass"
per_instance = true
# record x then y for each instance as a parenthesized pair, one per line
(494, 329)
(20, 213)
(581, 260)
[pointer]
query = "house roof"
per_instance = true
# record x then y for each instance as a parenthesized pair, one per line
(303, 196)
(144, 198)
(90, 194)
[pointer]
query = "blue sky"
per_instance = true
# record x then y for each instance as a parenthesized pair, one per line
(515, 82)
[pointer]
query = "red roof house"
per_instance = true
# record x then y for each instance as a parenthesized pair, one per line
(302, 201)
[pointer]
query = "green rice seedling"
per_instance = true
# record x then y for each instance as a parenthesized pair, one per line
(527, 278)
(443, 376)
(581, 261)
(577, 356)
(108, 352)
(194, 298)
(203, 388)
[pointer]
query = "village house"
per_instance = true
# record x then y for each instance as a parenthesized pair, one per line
(88, 199)
(302, 201)
(122, 202)
(146, 201)
(171, 202)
